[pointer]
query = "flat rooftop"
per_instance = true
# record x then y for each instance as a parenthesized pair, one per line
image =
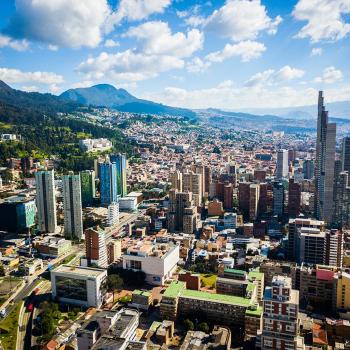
(79, 270)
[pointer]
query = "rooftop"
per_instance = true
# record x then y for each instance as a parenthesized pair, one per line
(174, 289)
(79, 270)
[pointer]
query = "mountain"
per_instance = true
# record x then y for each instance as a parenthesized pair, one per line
(35, 101)
(108, 96)
(336, 109)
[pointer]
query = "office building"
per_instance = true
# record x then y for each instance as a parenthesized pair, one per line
(294, 198)
(243, 198)
(182, 215)
(345, 154)
(120, 162)
(342, 200)
(108, 183)
(73, 218)
(192, 182)
(95, 247)
(280, 316)
(46, 201)
(113, 214)
(282, 164)
(254, 195)
(17, 214)
(319, 247)
(83, 286)
(294, 226)
(157, 261)
(176, 180)
(342, 298)
(278, 198)
(88, 188)
(308, 169)
(324, 166)
(52, 247)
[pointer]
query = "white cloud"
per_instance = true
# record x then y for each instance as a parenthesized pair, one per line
(19, 45)
(246, 50)
(82, 84)
(156, 39)
(111, 43)
(135, 10)
(273, 77)
(71, 23)
(127, 66)
(30, 88)
(242, 20)
(196, 65)
(324, 19)
(10, 75)
(53, 47)
(330, 75)
(316, 51)
(75, 23)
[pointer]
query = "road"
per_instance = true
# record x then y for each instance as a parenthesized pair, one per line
(111, 231)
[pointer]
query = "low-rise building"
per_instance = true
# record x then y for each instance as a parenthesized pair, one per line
(28, 267)
(157, 261)
(78, 285)
(52, 247)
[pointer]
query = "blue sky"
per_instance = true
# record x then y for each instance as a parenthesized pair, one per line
(233, 54)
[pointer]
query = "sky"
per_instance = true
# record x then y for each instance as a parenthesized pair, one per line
(233, 54)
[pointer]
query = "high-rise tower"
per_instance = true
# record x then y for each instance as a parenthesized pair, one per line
(73, 219)
(108, 183)
(120, 162)
(324, 166)
(46, 201)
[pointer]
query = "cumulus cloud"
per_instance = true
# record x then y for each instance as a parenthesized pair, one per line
(10, 75)
(127, 65)
(19, 45)
(75, 23)
(241, 20)
(330, 75)
(111, 43)
(135, 10)
(156, 38)
(246, 50)
(316, 51)
(271, 76)
(229, 96)
(325, 19)
(197, 65)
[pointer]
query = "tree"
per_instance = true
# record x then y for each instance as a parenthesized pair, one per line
(114, 282)
(203, 327)
(188, 324)
(2, 270)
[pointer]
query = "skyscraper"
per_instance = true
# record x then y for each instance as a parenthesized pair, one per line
(46, 201)
(308, 169)
(95, 246)
(88, 189)
(108, 183)
(324, 166)
(73, 220)
(192, 182)
(120, 162)
(282, 164)
(278, 198)
(345, 154)
(294, 197)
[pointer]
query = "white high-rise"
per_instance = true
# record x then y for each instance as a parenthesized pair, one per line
(73, 220)
(282, 164)
(113, 214)
(46, 201)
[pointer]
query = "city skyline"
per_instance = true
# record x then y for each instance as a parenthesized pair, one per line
(188, 54)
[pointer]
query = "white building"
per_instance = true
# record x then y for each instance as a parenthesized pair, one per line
(282, 164)
(78, 285)
(93, 145)
(113, 214)
(46, 201)
(73, 219)
(157, 261)
(128, 203)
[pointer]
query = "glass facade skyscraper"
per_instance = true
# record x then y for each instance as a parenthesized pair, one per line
(108, 183)
(120, 161)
